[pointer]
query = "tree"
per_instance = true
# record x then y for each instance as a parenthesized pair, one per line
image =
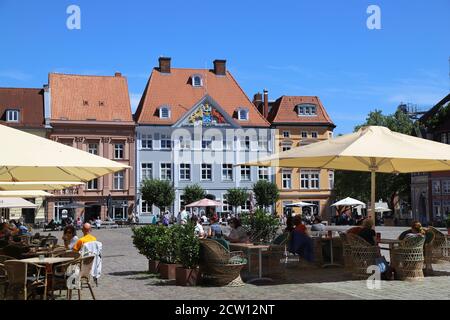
(236, 197)
(389, 186)
(266, 193)
(158, 192)
(193, 193)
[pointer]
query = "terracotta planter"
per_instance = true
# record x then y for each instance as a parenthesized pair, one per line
(153, 266)
(168, 271)
(187, 277)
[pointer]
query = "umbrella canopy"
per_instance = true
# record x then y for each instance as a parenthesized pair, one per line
(301, 204)
(38, 185)
(26, 157)
(348, 202)
(24, 194)
(16, 203)
(372, 148)
(382, 209)
(205, 203)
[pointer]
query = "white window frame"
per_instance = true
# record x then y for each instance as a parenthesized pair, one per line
(331, 179)
(90, 185)
(263, 173)
(119, 151)
(207, 167)
(314, 133)
(227, 144)
(310, 179)
(145, 207)
(263, 143)
(225, 206)
(436, 187)
(446, 187)
(148, 167)
(207, 143)
(246, 207)
(228, 168)
(244, 171)
(12, 115)
(93, 148)
(167, 142)
(286, 179)
(185, 143)
(244, 143)
(304, 134)
(243, 114)
(307, 109)
(147, 142)
(197, 76)
(185, 171)
(119, 180)
(164, 112)
(167, 169)
(437, 208)
(286, 134)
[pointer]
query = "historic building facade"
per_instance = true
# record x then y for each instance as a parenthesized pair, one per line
(299, 121)
(23, 109)
(195, 126)
(430, 192)
(93, 113)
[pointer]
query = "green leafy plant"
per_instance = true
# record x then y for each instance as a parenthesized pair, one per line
(193, 193)
(158, 192)
(187, 245)
(266, 193)
(261, 226)
(236, 197)
(144, 239)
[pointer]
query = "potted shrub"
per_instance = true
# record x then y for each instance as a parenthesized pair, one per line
(144, 240)
(188, 248)
(260, 225)
(165, 246)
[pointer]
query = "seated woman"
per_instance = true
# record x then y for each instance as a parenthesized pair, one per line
(416, 230)
(199, 231)
(215, 232)
(367, 232)
(69, 237)
(300, 242)
(16, 248)
(238, 233)
(317, 225)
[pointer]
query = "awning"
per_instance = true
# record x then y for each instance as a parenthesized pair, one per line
(16, 203)
(24, 194)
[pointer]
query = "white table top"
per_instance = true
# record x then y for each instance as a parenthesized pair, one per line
(47, 260)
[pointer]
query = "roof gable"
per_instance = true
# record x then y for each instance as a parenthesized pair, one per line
(28, 101)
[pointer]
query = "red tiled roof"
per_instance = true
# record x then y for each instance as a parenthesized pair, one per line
(284, 111)
(175, 90)
(29, 102)
(79, 98)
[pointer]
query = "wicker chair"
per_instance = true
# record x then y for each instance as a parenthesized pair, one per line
(19, 282)
(440, 247)
(3, 281)
(363, 255)
(408, 258)
(346, 252)
(219, 266)
(6, 258)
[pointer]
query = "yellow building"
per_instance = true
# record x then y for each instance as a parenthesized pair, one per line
(299, 121)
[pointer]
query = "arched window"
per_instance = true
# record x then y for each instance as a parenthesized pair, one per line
(164, 112)
(197, 81)
(243, 114)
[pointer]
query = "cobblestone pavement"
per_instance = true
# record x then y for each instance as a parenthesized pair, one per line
(124, 277)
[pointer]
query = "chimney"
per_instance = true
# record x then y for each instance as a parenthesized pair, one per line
(164, 64)
(117, 74)
(266, 104)
(258, 102)
(220, 68)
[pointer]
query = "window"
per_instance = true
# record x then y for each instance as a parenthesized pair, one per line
(227, 172)
(166, 143)
(436, 185)
(247, 206)
(263, 143)
(166, 171)
(314, 135)
(446, 208)
(146, 171)
(227, 144)
(244, 143)
(446, 187)
(145, 208)
(286, 147)
(263, 173)
(304, 134)
(185, 143)
(92, 185)
(146, 141)
(207, 143)
(12, 115)
(331, 179)
(225, 206)
(119, 210)
(286, 134)
(118, 151)
(119, 181)
(437, 208)
(287, 179)
(197, 81)
(206, 172)
(185, 171)
(243, 114)
(245, 173)
(93, 148)
(307, 110)
(309, 179)
(164, 113)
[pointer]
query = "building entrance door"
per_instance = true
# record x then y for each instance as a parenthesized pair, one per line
(92, 212)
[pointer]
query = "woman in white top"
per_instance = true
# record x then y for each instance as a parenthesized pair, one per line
(69, 237)
(199, 231)
(238, 233)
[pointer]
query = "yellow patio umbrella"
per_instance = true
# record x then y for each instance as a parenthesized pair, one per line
(24, 194)
(38, 185)
(372, 148)
(26, 157)
(10, 203)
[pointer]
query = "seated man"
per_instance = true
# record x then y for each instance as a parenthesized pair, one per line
(86, 238)
(15, 248)
(300, 242)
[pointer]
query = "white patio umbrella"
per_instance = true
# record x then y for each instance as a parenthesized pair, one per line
(38, 185)
(24, 194)
(301, 204)
(348, 202)
(373, 149)
(10, 203)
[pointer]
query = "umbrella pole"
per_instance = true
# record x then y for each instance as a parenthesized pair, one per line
(372, 196)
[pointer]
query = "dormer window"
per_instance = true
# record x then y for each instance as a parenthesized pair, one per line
(12, 115)
(243, 114)
(197, 81)
(164, 113)
(307, 109)
(85, 103)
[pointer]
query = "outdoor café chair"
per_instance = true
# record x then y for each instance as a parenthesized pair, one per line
(63, 273)
(4, 258)
(24, 280)
(219, 266)
(346, 252)
(363, 255)
(408, 258)
(440, 249)
(84, 276)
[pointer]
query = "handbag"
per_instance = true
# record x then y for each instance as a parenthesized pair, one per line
(382, 264)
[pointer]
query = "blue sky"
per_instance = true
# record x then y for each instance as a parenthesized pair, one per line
(319, 47)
